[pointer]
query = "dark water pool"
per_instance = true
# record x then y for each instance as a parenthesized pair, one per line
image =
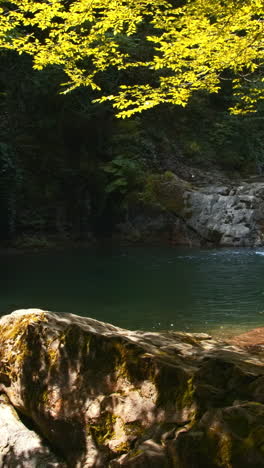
(217, 291)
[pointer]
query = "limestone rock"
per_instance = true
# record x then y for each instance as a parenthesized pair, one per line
(227, 217)
(209, 215)
(108, 397)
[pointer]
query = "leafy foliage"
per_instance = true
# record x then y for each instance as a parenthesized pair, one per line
(125, 175)
(84, 170)
(191, 45)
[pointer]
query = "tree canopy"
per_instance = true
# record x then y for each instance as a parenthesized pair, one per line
(191, 45)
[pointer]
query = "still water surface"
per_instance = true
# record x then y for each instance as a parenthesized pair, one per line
(216, 291)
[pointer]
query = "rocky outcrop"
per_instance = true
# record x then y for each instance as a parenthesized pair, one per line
(251, 340)
(228, 216)
(102, 396)
(209, 215)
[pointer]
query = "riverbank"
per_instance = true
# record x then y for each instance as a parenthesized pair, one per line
(41, 242)
(207, 211)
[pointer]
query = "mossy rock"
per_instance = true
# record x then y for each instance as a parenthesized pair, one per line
(166, 191)
(103, 396)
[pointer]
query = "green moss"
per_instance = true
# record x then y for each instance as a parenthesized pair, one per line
(103, 430)
(122, 448)
(174, 389)
(134, 428)
(165, 191)
(224, 452)
(52, 355)
(168, 175)
(149, 195)
(15, 332)
(135, 453)
(188, 394)
(44, 397)
(19, 325)
(120, 366)
(128, 363)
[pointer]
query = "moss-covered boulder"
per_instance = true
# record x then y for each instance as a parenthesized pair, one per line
(166, 191)
(103, 396)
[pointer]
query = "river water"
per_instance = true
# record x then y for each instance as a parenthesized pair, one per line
(153, 288)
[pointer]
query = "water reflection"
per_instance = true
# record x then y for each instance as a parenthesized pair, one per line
(149, 288)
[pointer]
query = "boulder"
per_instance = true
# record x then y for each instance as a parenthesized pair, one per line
(227, 216)
(103, 396)
(20, 446)
(252, 340)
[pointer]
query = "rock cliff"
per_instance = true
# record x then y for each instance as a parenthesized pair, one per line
(100, 396)
(210, 215)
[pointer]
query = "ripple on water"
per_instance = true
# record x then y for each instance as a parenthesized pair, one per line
(147, 288)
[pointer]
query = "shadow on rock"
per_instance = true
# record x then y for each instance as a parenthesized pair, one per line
(103, 396)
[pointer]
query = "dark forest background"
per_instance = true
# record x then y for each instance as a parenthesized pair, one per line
(70, 168)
